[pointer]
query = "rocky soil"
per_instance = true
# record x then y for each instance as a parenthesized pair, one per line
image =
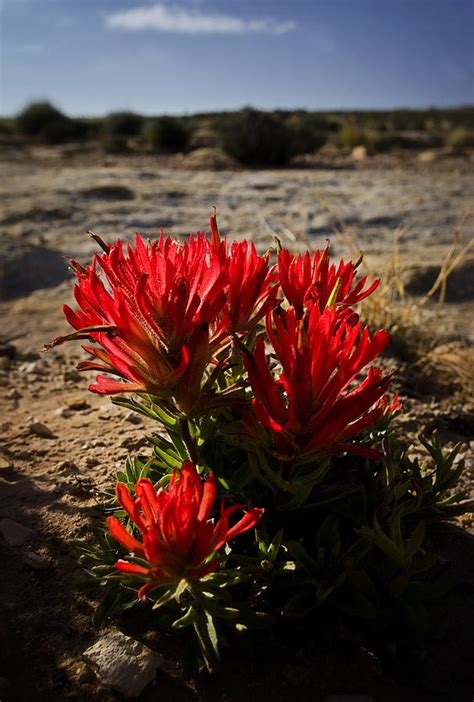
(60, 446)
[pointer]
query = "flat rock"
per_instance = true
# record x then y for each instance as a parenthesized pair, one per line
(40, 429)
(108, 192)
(133, 418)
(123, 663)
(36, 561)
(14, 534)
(5, 463)
(77, 403)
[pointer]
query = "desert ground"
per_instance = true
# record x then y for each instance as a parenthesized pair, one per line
(60, 445)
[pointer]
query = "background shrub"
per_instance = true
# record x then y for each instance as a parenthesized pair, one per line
(308, 132)
(460, 138)
(115, 145)
(44, 122)
(166, 134)
(256, 138)
(348, 136)
(36, 117)
(63, 130)
(123, 124)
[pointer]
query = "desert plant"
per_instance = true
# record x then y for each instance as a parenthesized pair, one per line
(123, 124)
(460, 139)
(348, 136)
(37, 117)
(307, 132)
(63, 130)
(256, 138)
(262, 380)
(167, 134)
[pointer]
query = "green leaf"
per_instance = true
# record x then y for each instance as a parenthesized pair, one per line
(300, 555)
(207, 639)
(185, 621)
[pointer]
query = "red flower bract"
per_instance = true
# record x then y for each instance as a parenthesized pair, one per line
(310, 409)
(150, 317)
(179, 541)
(306, 281)
(251, 285)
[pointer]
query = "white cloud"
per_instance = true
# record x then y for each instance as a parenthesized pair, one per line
(187, 21)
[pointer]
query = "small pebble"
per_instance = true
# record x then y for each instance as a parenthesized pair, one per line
(72, 374)
(40, 429)
(14, 534)
(5, 463)
(64, 412)
(36, 561)
(13, 394)
(66, 467)
(133, 418)
(32, 368)
(8, 350)
(77, 403)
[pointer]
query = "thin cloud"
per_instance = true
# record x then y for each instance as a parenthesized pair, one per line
(187, 21)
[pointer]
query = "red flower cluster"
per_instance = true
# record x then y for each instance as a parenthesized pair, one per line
(160, 312)
(307, 281)
(178, 538)
(310, 408)
(163, 310)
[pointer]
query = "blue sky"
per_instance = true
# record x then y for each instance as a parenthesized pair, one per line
(161, 56)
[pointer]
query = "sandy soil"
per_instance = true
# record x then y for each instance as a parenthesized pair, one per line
(51, 484)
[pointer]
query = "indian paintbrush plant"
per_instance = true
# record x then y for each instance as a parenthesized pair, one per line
(275, 485)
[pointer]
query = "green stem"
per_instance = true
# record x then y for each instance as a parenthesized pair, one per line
(189, 441)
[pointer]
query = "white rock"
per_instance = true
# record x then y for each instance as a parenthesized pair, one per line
(123, 663)
(14, 534)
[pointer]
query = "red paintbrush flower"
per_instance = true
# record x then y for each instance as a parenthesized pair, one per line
(179, 540)
(306, 281)
(150, 317)
(310, 408)
(251, 285)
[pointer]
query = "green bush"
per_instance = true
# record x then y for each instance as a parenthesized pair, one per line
(308, 132)
(63, 130)
(38, 117)
(6, 127)
(115, 145)
(256, 138)
(166, 134)
(123, 124)
(45, 123)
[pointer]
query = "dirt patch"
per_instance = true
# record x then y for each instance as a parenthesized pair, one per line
(52, 485)
(27, 268)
